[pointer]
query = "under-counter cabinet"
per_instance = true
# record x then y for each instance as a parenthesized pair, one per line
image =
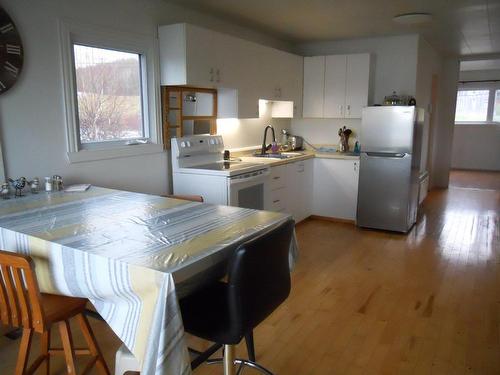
(335, 188)
(336, 86)
(290, 189)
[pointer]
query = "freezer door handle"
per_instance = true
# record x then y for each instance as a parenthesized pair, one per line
(386, 155)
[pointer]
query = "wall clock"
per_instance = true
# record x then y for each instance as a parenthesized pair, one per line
(11, 52)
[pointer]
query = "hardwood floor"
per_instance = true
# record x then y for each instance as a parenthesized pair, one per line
(475, 179)
(370, 302)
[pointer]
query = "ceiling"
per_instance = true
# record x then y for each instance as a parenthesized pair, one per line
(459, 27)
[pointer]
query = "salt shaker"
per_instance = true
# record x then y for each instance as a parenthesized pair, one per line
(35, 185)
(48, 184)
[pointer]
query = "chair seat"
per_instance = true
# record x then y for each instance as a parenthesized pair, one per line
(57, 308)
(206, 314)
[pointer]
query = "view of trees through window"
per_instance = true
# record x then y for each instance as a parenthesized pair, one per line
(109, 94)
(496, 109)
(472, 105)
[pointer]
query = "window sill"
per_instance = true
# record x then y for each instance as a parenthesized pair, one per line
(478, 123)
(114, 152)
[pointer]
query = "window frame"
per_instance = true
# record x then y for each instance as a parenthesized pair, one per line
(145, 46)
(492, 87)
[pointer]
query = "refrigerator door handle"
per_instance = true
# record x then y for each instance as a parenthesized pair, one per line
(386, 155)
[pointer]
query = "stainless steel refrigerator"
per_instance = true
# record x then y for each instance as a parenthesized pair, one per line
(391, 144)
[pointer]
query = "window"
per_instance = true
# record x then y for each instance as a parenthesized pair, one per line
(111, 92)
(472, 105)
(496, 110)
(478, 105)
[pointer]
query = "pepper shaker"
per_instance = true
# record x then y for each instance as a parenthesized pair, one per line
(5, 190)
(35, 185)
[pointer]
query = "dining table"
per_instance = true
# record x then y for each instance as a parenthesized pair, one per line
(132, 255)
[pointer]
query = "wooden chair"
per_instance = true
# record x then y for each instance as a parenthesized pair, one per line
(192, 198)
(22, 305)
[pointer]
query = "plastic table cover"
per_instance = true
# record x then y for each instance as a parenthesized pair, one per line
(120, 250)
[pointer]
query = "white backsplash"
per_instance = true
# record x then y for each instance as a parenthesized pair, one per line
(242, 133)
(325, 131)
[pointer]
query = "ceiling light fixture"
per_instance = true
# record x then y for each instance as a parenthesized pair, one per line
(413, 18)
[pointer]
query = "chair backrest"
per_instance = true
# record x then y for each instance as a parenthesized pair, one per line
(19, 293)
(259, 278)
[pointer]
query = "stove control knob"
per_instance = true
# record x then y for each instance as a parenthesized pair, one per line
(188, 144)
(183, 144)
(212, 141)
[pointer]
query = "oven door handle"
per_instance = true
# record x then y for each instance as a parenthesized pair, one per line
(253, 177)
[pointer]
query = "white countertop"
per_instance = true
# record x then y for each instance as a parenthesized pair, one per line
(272, 162)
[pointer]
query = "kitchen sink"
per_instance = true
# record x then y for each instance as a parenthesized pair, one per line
(281, 155)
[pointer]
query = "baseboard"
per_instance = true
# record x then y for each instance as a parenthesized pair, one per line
(332, 219)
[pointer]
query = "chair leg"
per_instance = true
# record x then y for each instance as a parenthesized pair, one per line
(67, 342)
(92, 344)
(228, 359)
(250, 346)
(24, 351)
(45, 347)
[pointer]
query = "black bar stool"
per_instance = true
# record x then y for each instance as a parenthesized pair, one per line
(258, 282)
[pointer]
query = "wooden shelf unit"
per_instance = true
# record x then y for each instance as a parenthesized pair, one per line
(177, 92)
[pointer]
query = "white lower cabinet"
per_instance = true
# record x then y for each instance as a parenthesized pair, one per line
(335, 188)
(291, 190)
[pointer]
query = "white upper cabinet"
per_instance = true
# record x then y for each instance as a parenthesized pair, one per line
(314, 86)
(195, 56)
(357, 83)
(336, 86)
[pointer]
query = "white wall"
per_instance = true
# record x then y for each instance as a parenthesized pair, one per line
(325, 131)
(428, 64)
(393, 67)
(479, 75)
(249, 132)
(32, 121)
(443, 131)
(477, 146)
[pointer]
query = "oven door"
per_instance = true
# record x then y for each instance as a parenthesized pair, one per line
(249, 190)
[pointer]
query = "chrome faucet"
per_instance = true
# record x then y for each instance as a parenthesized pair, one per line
(264, 145)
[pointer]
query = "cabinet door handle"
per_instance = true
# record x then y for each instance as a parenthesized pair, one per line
(355, 167)
(276, 178)
(211, 74)
(218, 75)
(341, 107)
(348, 110)
(276, 201)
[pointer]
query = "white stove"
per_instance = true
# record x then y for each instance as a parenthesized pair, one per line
(199, 168)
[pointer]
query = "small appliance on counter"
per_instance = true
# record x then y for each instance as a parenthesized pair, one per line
(295, 143)
(291, 142)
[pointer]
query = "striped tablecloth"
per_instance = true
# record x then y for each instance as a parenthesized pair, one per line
(120, 249)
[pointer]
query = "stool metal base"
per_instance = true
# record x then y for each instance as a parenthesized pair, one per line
(242, 363)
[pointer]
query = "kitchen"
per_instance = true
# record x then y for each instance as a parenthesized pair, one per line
(221, 82)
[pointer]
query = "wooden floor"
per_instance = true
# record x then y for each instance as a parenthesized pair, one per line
(475, 179)
(369, 302)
